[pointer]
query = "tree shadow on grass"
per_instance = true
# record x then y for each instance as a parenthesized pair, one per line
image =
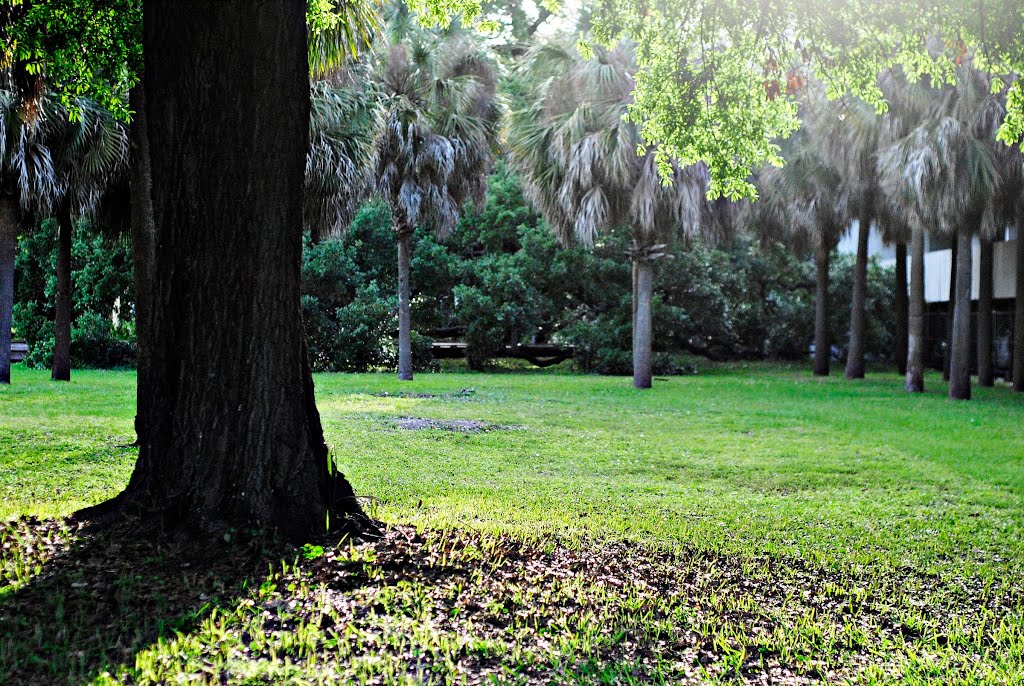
(91, 598)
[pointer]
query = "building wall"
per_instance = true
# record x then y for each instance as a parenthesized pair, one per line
(937, 262)
(1004, 272)
(877, 248)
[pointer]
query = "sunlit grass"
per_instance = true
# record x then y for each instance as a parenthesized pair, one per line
(904, 513)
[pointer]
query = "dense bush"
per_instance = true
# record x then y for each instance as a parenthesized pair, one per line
(500, 279)
(103, 330)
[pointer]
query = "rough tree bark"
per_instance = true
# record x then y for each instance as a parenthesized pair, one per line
(915, 320)
(822, 342)
(986, 369)
(143, 243)
(947, 355)
(233, 436)
(8, 245)
(901, 308)
(960, 353)
(61, 367)
(404, 305)
(1018, 314)
(642, 329)
(858, 309)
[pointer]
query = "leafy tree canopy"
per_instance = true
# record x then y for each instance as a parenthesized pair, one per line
(80, 47)
(94, 47)
(718, 79)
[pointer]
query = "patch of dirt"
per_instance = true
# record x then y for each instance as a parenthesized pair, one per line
(463, 394)
(465, 426)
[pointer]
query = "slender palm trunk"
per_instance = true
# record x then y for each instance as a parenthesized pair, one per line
(633, 297)
(143, 257)
(986, 371)
(404, 314)
(858, 309)
(960, 358)
(61, 369)
(950, 308)
(642, 328)
(915, 320)
(8, 245)
(1018, 314)
(822, 342)
(901, 308)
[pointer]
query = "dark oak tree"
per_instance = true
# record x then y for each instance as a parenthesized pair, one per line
(232, 433)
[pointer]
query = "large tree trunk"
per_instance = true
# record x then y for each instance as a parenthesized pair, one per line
(61, 368)
(232, 436)
(960, 358)
(143, 244)
(643, 324)
(822, 341)
(986, 370)
(858, 309)
(404, 306)
(947, 356)
(8, 245)
(915, 320)
(1018, 314)
(901, 308)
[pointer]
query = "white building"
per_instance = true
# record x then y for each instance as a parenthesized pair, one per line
(938, 260)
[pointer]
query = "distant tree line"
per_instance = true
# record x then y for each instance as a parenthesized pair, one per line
(500, 278)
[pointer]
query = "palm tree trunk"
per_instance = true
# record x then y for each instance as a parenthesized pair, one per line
(143, 255)
(960, 357)
(986, 372)
(858, 310)
(643, 326)
(633, 296)
(822, 343)
(61, 369)
(915, 320)
(901, 308)
(1018, 314)
(404, 314)
(947, 355)
(8, 245)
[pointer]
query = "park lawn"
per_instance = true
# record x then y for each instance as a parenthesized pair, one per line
(798, 529)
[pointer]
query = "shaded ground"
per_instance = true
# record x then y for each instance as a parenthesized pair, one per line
(460, 607)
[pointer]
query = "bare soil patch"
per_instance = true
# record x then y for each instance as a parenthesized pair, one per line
(465, 426)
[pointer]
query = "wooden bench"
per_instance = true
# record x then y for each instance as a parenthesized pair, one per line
(540, 354)
(19, 351)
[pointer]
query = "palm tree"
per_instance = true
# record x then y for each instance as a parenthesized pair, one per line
(338, 32)
(1008, 207)
(948, 176)
(805, 203)
(909, 103)
(850, 139)
(90, 149)
(340, 150)
(577, 156)
(438, 122)
(28, 181)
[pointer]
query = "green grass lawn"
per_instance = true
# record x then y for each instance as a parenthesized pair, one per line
(909, 509)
